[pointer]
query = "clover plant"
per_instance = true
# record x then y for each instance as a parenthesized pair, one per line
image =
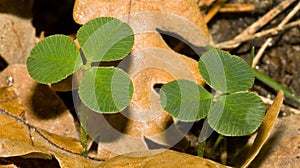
(230, 110)
(102, 89)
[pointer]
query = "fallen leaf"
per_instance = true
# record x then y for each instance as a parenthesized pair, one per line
(9, 101)
(43, 108)
(159, 158)
(85, 10)
(10, 127)
(43, 150)
(10, 148)
(17, 33)
(150, 62)
(66, 143)
(20, 138)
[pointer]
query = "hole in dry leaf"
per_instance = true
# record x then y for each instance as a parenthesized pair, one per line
(180, 45)
(3, 64)
(157, 87)
(93, 148)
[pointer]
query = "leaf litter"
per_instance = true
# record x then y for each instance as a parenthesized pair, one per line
(43, 146)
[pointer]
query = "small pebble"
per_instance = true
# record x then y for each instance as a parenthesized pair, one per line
(9, 81)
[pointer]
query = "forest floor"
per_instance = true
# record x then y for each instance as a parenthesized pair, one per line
(280, 61)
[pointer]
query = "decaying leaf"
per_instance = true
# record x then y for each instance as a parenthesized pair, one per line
(42, 107)
(85, 10)
(159, 158)
(9, 101)
(10, 127)
(20, 138)
(17, 33)
(10, 148)
(150, 62)
(42, 149)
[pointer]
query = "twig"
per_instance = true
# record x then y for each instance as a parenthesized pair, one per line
(214, 10)
(272, 31)
(283, 106)
(259, 24)
(202, 3)
(237, 8)
(266, 18)
(290, 15)
(269, 40)
(261, 51)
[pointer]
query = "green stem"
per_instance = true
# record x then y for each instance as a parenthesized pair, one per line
(276, 86)
(205, 132)
(201, 148)
(83, 134)
(270, 82)
(220, 138)
(83, 138)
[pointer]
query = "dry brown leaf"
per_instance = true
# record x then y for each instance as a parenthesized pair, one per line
(19, 138)
(151, 62)
(17, 33)
(10, 127)
(11, 148)
(43, 108)
(64, 157)
(9, 101)
(85, 10)
(159, 158)
(69, 144)
(43, 150)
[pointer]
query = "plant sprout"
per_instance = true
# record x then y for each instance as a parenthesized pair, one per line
(102, 89)
(232, 110)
